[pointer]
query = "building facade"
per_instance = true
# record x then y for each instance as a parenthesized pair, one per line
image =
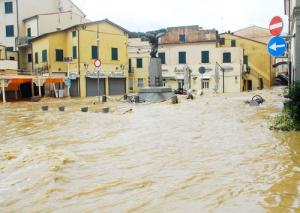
(292, 9)
(189, 49)
(82, 45)
(139, 58)
(258, 72)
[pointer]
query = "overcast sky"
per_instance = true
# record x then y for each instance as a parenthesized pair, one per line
(223, 15)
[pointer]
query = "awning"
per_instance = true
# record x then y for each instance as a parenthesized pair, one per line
(54, 80)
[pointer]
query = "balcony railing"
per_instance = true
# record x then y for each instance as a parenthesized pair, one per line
(23, 41)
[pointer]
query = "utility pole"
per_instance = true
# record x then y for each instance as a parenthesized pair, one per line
(98, 71)
(223, 71)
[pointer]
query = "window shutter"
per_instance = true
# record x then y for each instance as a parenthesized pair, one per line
(74, 50)
(114, 53)
(94, 52)
(44, 55)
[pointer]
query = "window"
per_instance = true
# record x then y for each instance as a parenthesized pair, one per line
(182, 57)
(246, 60)
(162, 57)
(182, 38)
(114, 54)
(8, 6)
(59, 55)
(233, 43)
(130, 66)
(205, 57)
(11, 58)
(74, 51)
(226, 57)
(29, 32)
(205, 83)
(140, 82)
(10, 31)
(9, 49)
(44, 56)
(222, 41)
(139, 63)
(29, 57)
(36, 58)
(74, 33)
(94, 52)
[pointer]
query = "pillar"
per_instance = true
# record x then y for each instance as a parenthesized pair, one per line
(3, 91)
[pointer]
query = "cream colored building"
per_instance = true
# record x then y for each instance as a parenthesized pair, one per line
(139, 57)
(191, 48)
(22, 20)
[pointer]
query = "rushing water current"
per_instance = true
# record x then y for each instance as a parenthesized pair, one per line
(213, 154)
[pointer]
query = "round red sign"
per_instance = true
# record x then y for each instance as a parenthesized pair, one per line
(276, 26)
(97, 63)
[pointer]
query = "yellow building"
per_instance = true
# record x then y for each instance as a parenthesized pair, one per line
(257, 71)
(75, 50)
(139, 57)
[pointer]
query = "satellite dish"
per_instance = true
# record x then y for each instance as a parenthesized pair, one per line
(202, 70)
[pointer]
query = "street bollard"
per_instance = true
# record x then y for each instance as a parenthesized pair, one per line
(84, 109)
(125, 97)
(174, 100)
(105, 110)
(136, 99)
(62, 109)
(45, 108)
(104, 99)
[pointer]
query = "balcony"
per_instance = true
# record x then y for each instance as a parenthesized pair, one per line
(23, 41)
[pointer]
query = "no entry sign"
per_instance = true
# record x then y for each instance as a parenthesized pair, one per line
(276, 26)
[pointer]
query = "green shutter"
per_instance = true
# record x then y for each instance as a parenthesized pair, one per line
(162, 57)
(29, 32)
(246, 60)
(9, 31)
(74, 50)
(8, 7)
(233, 43)
(44, 56)
(182, 57)
(29, 58)
(94, 52)
(205, 57)
(36, 58)
(74, 33)
(59, 55)
(129, 65)
(114, 54)
(139, 63)
(226, 57)
(182, 38)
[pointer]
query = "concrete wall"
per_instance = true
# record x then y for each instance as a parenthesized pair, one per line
(255, 33)
(192, 34)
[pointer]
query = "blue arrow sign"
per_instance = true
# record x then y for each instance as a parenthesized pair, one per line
(277, 46)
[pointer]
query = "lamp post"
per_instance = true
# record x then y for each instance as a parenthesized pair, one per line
(223, 71)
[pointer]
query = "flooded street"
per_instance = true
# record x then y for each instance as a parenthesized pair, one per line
(213, 154)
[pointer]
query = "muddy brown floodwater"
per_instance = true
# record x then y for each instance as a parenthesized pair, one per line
(213, 154)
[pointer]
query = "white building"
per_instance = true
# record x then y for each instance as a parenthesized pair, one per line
(193, 48)
(292, 9)
(8, 61)
(22, 20)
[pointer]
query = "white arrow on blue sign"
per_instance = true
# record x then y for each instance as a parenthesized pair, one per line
(277, 46)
